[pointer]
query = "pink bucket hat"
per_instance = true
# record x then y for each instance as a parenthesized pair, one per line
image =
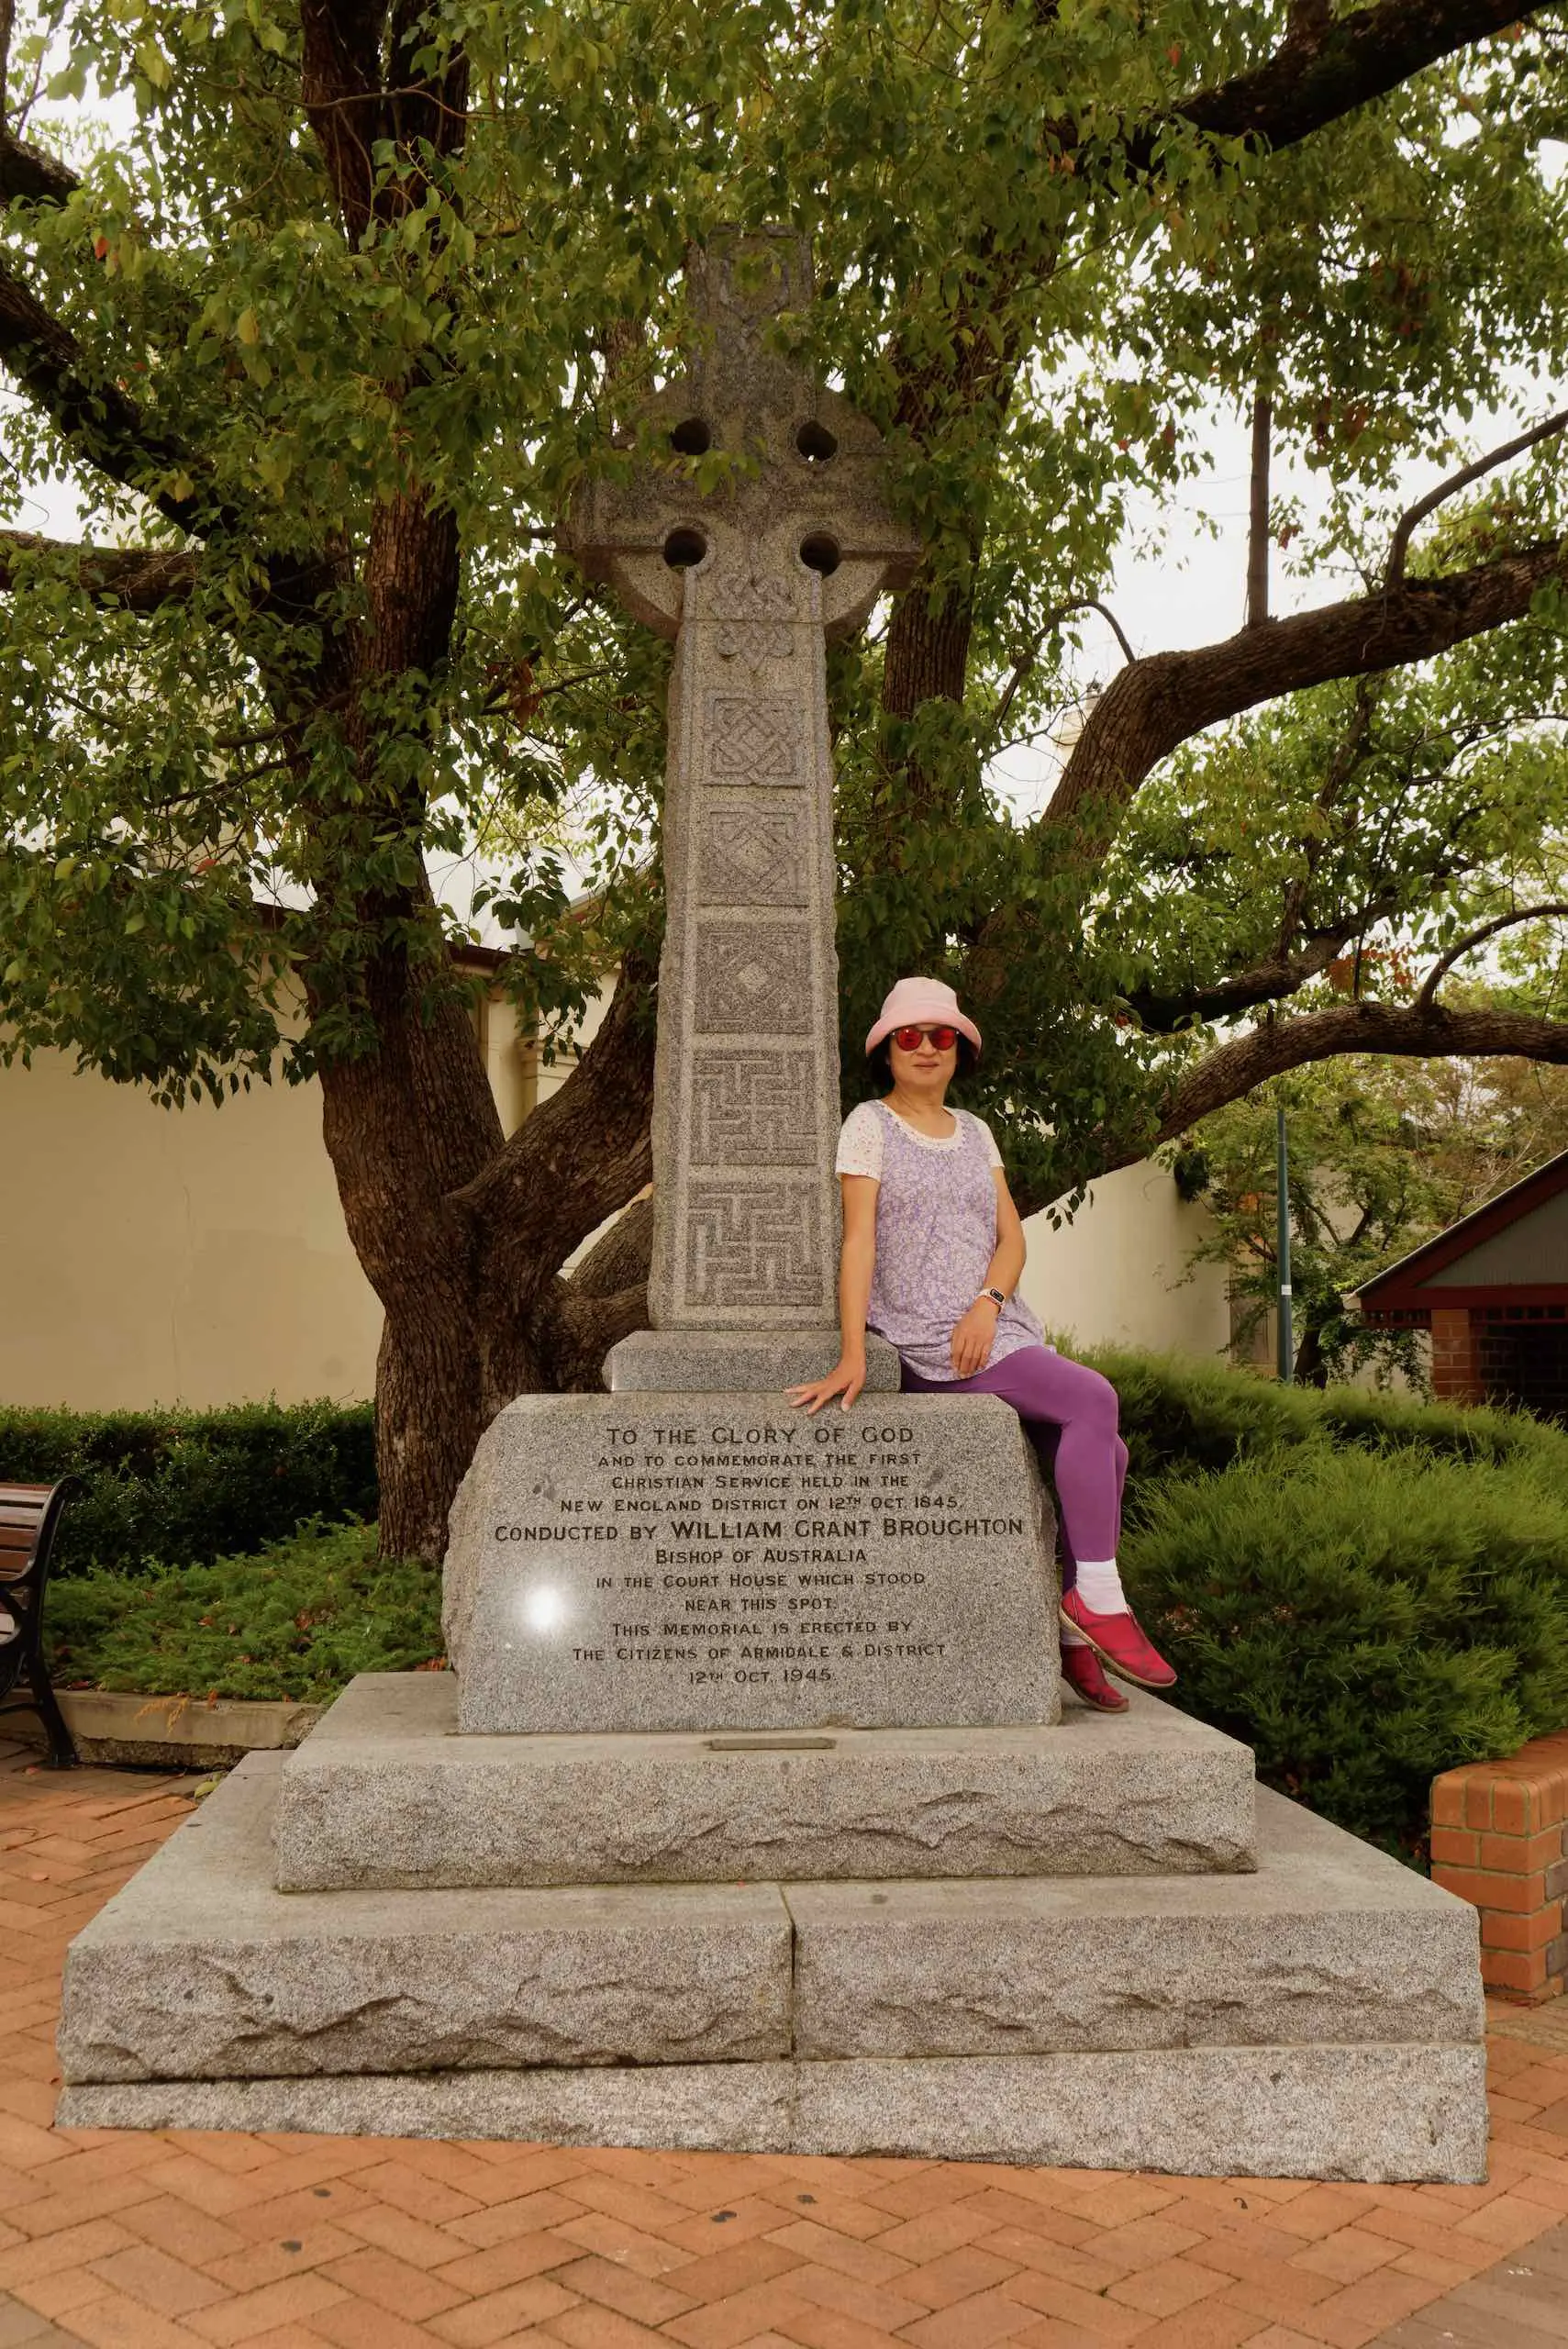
(927, 1003)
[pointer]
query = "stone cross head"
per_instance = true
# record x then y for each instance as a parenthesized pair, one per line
(812, 511)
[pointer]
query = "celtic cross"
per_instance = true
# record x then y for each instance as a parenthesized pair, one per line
(749, 580)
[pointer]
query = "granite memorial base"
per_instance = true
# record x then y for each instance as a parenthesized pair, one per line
(1320, 2015)
(385, 1795)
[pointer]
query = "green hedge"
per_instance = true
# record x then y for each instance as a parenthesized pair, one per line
(184, 1486)
(298, 1620)
(1194, 1415)
(1366, 1589)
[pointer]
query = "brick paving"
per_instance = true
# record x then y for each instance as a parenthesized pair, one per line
(181, 2240)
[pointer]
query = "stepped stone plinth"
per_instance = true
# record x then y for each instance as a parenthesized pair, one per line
(1320, 2015)
(386, 1794)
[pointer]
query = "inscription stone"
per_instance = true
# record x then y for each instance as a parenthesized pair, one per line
(719, 1561)
(748, 579)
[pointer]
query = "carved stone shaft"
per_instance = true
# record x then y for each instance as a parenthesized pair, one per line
(749, 580)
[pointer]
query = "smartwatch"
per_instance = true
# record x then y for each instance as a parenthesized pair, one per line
(996, 1295)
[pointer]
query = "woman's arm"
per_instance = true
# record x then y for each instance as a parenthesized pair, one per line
(971, 1337)
(857, 1261)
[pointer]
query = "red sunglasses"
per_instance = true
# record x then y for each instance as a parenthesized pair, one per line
(909, 1040)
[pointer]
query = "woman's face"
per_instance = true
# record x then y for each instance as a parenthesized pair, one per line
(922, 1067)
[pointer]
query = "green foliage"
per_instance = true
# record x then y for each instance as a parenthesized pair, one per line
(1363, 1619)
(1365, 1588)
(298, 1620)
(161, 771)
(1188, 1417)
(1384, 1155)
(181, 1487)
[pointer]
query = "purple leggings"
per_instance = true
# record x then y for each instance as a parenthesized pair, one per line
(1069, 1413)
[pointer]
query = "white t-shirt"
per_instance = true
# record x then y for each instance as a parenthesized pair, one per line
(861, 1138)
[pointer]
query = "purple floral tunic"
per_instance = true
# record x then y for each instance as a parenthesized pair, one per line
(936, 1234)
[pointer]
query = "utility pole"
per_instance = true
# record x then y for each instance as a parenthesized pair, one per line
(1286, 1339)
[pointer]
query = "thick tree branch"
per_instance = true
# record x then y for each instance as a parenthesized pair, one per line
(1464, 946)
(621, 1258)
(359, 89)
(1165, 1012)
(1327, 66)
(24, 170)
(101, 423)
(604, 1300)
(138, 579)
(1148, 709)
(27, 172)
(1257, 609)
(1415, 1030)
(579, 1158)
(1398, 546)
(341, 89)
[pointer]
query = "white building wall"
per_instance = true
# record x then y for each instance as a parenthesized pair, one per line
(1117, 1274)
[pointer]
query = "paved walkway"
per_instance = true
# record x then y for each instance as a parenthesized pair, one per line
(181, 2241)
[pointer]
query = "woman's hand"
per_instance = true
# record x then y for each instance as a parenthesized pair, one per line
(971, 1337)
(845, 1380)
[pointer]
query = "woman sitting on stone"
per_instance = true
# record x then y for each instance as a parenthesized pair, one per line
(933, 1249)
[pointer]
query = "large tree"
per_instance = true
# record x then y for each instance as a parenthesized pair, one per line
(321, 317)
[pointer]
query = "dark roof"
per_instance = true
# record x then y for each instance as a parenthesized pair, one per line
(1405, 1292)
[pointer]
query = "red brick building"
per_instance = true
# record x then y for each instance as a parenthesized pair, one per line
(1492, 1290)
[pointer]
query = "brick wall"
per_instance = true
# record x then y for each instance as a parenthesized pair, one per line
(1456, 1355)
(1500, 1839)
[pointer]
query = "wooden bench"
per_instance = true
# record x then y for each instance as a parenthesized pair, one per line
(29, 1520)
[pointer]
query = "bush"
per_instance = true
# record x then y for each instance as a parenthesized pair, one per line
(298, 1620)
(1365, 1618)
(1189, 1415)
(176, 1487)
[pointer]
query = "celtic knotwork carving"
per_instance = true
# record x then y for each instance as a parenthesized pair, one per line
(754, 1108)
(753, 855)
(754, 1244)
(754, 738)
(759, 629)
(753, 979)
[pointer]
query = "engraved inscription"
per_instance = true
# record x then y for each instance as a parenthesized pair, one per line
(753, 1243)
(753, 856)
(754, 1108)
(754, 738)
(695, 1561)
(753, 979)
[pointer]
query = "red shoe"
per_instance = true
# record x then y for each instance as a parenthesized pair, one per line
(1118, 1641)
(1081, 1670)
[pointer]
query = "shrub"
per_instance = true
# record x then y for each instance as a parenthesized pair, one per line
(297, 1619)
(1192, 1415)
(182, 1486)
(1362, 1618)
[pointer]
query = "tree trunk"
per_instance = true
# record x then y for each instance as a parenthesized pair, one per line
(927, 651)
(428, 1419)
(1311, 1369)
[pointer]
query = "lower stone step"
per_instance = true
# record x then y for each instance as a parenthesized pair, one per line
(199, 1969)
(1352, 2112)
(385, 1794)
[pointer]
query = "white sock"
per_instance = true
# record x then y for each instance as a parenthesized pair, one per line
(1072, 1639)
(1100, 1586)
